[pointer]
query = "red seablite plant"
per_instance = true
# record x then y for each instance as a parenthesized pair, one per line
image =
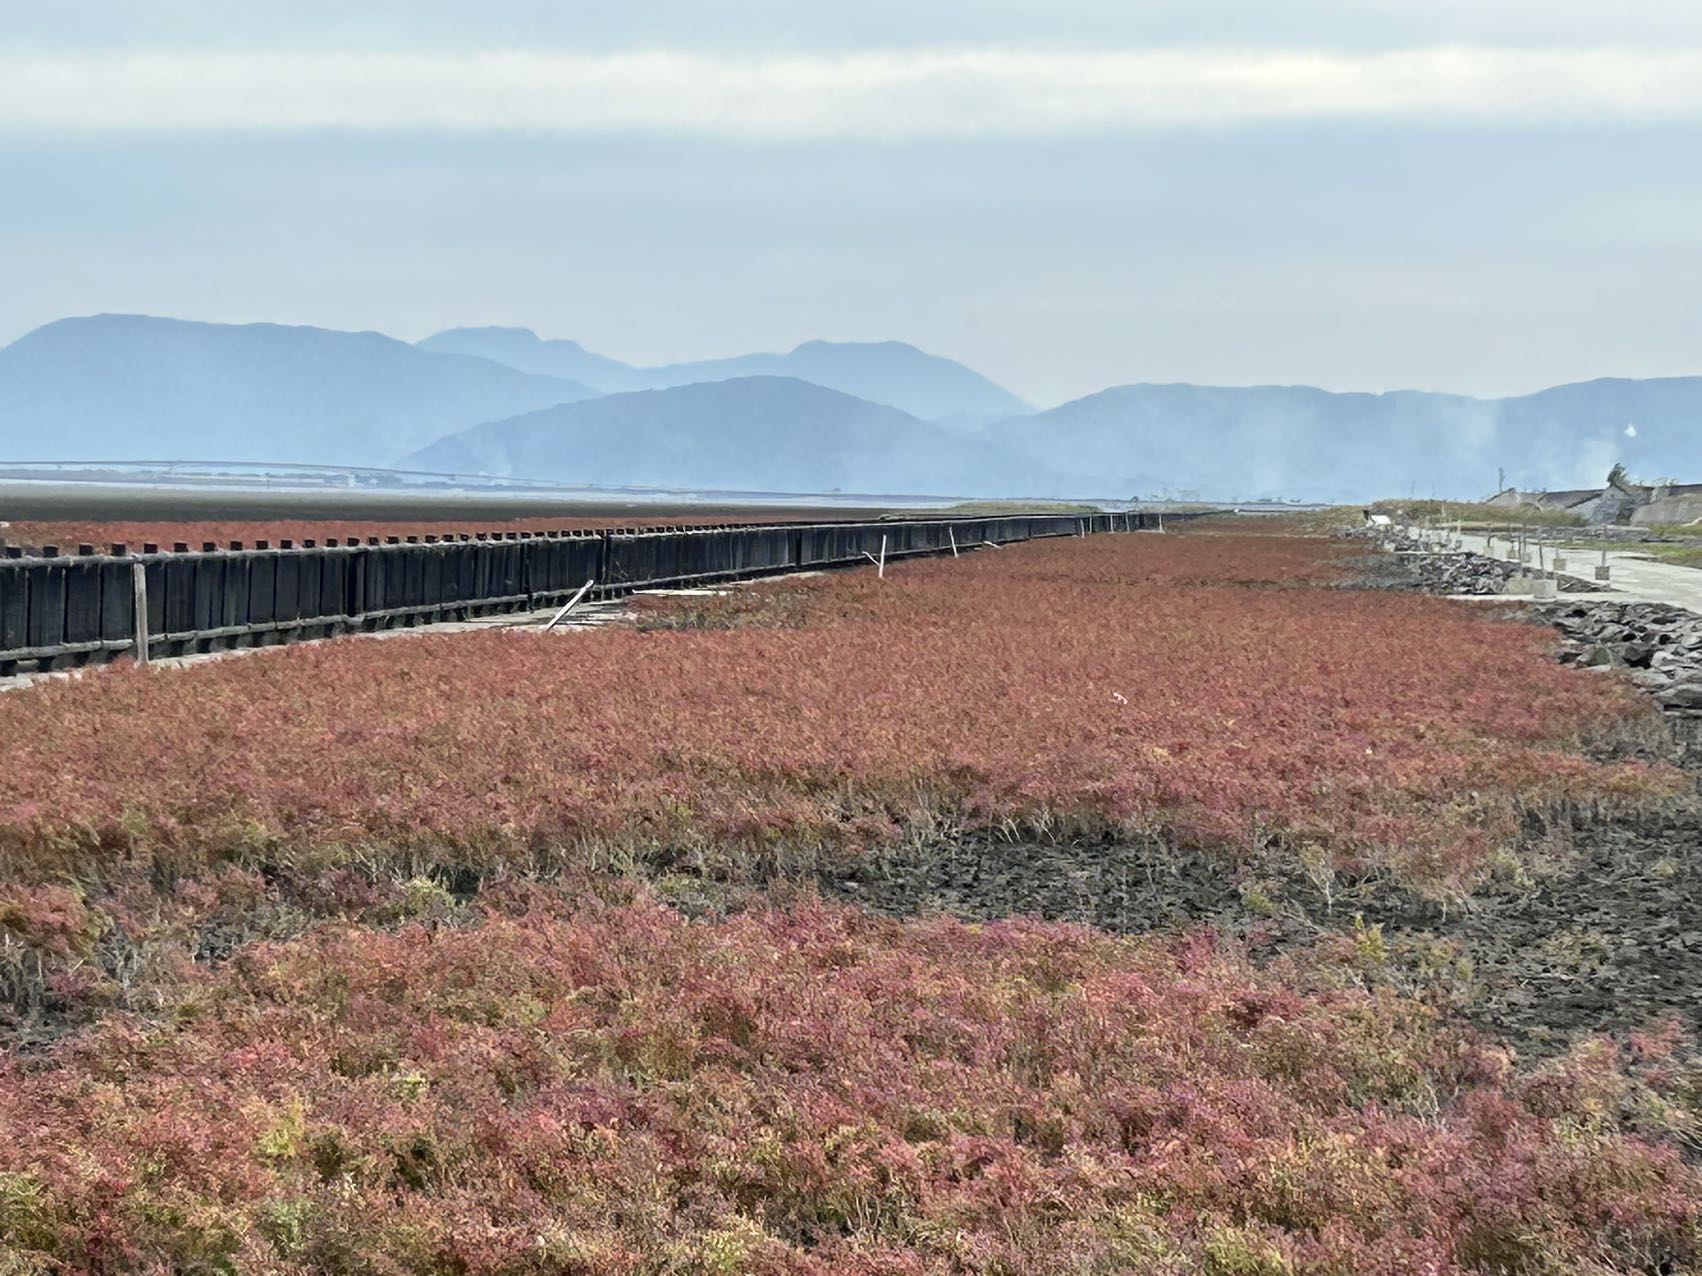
(221, 532)
(1192, 685)
(619, 1090)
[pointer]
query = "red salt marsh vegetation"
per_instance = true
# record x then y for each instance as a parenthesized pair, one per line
(617, 1090)
(67, 533)
(258, 1018)
(1207, 689)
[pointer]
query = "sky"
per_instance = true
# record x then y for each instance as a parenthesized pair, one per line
(1482, 197)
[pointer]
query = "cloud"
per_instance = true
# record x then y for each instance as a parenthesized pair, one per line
(897, 95)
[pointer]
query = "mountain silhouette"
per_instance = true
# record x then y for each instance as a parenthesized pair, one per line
(132, 386)
(885, 372)
(524, 350)
(1232, 442)
(894, 419)
(748, 433)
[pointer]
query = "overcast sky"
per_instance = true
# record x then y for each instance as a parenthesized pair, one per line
(1486, 197)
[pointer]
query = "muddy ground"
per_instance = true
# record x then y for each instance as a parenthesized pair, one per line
(1606, 936)
(1602, 934)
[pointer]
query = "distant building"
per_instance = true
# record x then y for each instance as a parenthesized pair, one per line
(1621, 501)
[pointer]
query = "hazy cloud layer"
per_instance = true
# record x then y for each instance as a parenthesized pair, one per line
(891, 95)
(1476, 195)
(765, 26)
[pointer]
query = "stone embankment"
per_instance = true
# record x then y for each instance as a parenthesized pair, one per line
(1434, 567)
(1659, 645)
(1460, 573)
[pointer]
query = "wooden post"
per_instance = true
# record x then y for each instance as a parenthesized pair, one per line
(139, 590)
(569, 605)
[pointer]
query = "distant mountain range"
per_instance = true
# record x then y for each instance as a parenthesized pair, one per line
(1301, 441)
(886, 372)
(763, 433)
(523, 349)
(130, 386)
(854, 416)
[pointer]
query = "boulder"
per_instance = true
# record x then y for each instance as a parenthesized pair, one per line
(1637, 654)
(1683, 696)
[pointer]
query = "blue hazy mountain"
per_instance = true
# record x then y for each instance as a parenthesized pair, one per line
(885, 372)
(748, 433)
(1229, 442)
(134, 387)
(525, 350)
(121, 387)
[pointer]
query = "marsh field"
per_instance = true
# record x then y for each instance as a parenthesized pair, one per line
(1129, 903)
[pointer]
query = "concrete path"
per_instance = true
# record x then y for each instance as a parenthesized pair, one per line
(1634, 577)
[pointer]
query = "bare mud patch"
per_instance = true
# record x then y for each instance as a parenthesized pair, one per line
(1605, 935)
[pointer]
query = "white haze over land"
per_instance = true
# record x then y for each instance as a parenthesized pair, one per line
(1067, 195)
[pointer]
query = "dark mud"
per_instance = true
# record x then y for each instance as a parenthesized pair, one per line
(1604, 936)
(1610, 942)
(1599, 929)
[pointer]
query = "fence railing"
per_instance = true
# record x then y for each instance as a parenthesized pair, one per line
(59, 609)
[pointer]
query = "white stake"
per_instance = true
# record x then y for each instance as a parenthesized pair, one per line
(953, 536)
(880, 569)
(139, 589)
(569, 605)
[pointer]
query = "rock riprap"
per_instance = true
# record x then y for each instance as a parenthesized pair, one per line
(1660, 645)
